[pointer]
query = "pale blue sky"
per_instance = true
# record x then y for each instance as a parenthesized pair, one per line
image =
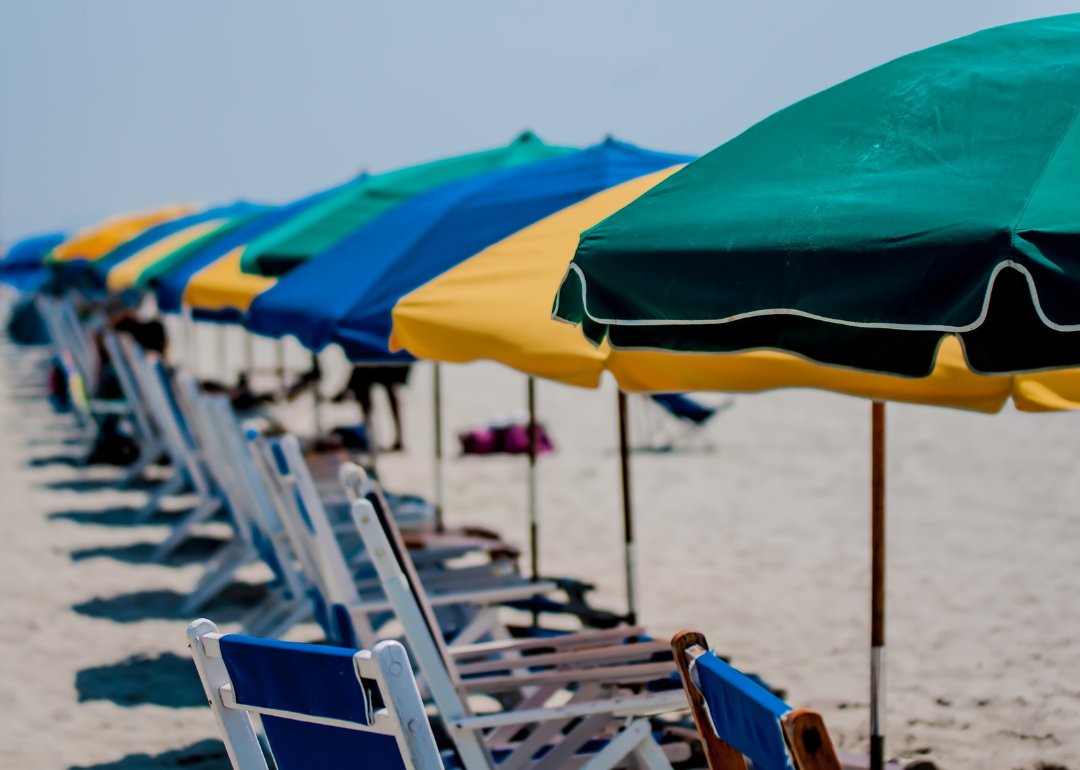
(107, 105)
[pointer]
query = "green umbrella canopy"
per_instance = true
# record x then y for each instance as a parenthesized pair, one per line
(360, 201)
(936, 194)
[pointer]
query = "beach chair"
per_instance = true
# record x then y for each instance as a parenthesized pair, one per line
(180, 444)
(212, 416)
(151, 447)
(346, 594)
(674, 422)
(259, 530)
(76, 357)
(608, 676)
(738, 718)
(319, 706)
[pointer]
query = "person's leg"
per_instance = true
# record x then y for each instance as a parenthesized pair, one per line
(362, 393)
(395, 410)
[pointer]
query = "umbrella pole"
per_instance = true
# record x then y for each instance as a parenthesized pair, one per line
(279, 351)
(534, 548)
(877, 587)
(249, 353)
(189, 341)
(316, 395)
(437, 388)
(222, 354)
(629, 551)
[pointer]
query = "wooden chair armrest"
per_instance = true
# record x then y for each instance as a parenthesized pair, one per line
(632, 674)
(809, 741)
(619, 653)
(600, 638)
(686, 646)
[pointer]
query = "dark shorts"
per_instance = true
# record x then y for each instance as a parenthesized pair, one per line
(363, 377)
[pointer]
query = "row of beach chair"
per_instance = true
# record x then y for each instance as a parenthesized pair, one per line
(341, 555)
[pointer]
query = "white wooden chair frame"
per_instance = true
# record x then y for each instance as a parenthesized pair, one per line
(186, 457)
(599, 702)
(403, 717)
(147, 436)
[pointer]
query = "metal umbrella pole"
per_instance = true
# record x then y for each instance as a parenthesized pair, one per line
(877, 586)
(439, 488)
(629, 550)
(534, 548)
(222, 354)
(316, 393)
(249, 353)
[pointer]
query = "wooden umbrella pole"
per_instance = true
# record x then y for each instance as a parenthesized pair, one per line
(877, 588)
(629, 550)
(439, 489)
(534, 535)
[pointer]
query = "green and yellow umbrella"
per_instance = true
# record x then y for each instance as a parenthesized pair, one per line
(497, 306)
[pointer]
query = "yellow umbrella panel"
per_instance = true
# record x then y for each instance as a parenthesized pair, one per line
(126, 274)
(497, 305)
(97, 240)
(222, 286)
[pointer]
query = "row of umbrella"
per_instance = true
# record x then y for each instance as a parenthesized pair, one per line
(904, 236)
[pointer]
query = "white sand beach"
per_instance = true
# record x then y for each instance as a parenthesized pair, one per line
(762, 544)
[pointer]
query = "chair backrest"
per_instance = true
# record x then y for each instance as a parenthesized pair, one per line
(154, 383)
(82, 344)
(319, 706)
(333, 575)
(130, 386)
(280, 485)
(685, 408)
(413, 609)
(249, 496)
(736, 716)
(220, 461)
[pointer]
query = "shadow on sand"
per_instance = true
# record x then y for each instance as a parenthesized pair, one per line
(96, 485)
(194, 550)
(204, 755)
(120, 516)
(167, 680)
(72, 461)
(227, 607)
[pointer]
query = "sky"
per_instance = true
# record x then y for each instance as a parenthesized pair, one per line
(114, 105)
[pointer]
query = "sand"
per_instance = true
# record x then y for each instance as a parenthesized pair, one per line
(762, 544)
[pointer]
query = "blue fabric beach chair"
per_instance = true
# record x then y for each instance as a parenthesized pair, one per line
(320, 706)
(675, 422)
(736, 716)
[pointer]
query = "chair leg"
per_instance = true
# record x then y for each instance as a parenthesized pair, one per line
(171, 487)
(299, 613)
(182, 531)
(146, 457)
(636, 739)
(219, 574)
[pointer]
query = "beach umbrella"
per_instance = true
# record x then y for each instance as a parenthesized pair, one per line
(95, 241)
(359, 202)
(22, 267)
(496, 306)
(346, 294)
(171, 280)
(932, 196)
(170, 243)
